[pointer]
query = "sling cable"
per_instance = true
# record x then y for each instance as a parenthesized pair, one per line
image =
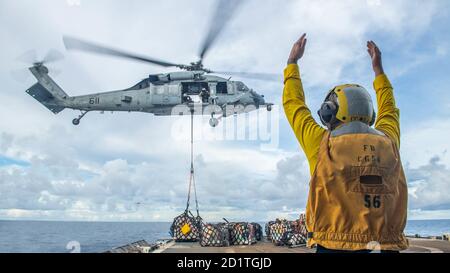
(186, 227)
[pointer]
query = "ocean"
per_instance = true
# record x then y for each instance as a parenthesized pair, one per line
(65, 237)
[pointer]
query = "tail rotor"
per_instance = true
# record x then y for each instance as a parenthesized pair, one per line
(31, 58)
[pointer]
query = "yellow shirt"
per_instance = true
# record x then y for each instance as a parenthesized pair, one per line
(309, 133)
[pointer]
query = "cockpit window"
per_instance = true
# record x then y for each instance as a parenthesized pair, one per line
(241, 87)
(222, 88)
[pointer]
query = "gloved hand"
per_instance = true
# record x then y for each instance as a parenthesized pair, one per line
(375, 55)
(298, 50)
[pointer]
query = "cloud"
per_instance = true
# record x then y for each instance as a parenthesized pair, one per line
(425, 140)
(70, 178)
(59, 184)
(429, 186)
(254, 185)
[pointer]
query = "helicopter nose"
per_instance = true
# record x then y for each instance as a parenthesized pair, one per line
(262, 100)
(259, 100)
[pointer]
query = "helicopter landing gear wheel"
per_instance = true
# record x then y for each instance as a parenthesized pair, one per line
(269, 107)
(76, 121)
(213, 122)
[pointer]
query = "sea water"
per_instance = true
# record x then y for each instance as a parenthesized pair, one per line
(43, 236)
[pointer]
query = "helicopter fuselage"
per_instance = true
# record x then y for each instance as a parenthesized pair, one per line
(161, 94)
(158, 94)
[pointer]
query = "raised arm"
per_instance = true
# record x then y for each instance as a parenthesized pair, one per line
(388, 119)
(307, 131)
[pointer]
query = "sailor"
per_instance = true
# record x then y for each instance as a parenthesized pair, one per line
(358, 193)
(204, 95)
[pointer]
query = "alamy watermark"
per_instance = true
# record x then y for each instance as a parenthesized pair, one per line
(73, 3)
(74, 247)
(234, 123)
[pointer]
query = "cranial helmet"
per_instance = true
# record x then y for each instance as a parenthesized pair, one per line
(347, 103)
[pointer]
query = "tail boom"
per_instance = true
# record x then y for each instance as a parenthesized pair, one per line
(46, 91)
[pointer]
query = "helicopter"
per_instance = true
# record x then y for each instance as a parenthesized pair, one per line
(160, 94)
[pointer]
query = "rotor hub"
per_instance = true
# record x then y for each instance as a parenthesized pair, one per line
(195, 66)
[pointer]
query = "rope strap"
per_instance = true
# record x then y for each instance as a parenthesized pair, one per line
(191, 175)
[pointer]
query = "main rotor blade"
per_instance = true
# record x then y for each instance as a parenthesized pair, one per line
(257, 76)
(76, 44)
(53, 55)
(224, 11)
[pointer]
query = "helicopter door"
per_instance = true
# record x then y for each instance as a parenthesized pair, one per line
(160, 95)
(174, 94)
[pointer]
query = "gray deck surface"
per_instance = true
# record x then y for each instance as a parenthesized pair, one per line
(416, 245)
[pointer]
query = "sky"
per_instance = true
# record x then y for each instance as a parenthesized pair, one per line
(135, 166)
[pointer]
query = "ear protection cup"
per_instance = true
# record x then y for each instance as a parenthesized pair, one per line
(328, 110)
(327, 113)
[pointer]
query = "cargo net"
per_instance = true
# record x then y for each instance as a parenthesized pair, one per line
(267, 229)
(289, 233)
(242, 234)
(258, 231)
(299, 226)
(215, 235)
(226, 234)
(186, 227)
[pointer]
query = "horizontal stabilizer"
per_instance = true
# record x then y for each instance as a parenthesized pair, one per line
(42, 95)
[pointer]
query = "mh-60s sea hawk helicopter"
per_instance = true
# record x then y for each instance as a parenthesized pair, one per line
(159, 93)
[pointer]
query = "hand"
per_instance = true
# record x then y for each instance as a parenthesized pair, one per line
(375, 55)
(298, 50)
